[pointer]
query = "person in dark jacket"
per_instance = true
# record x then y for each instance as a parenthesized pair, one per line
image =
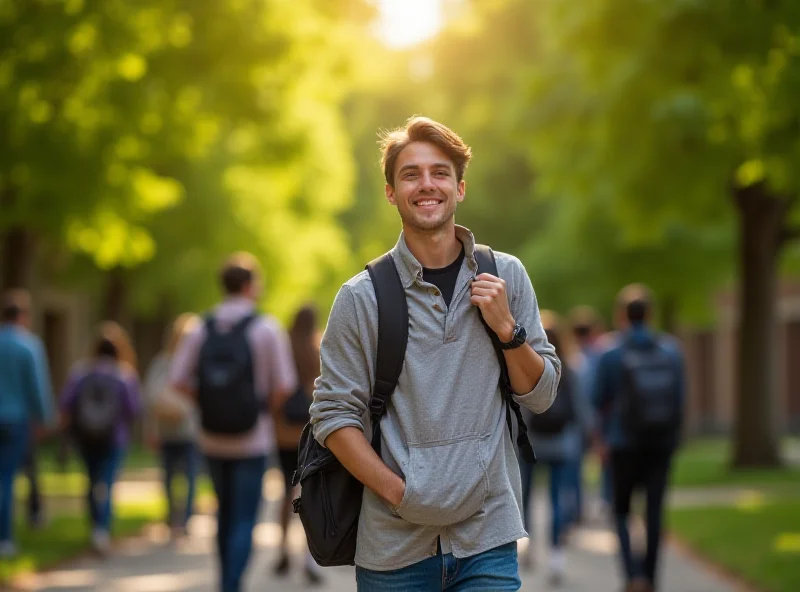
(639, 390)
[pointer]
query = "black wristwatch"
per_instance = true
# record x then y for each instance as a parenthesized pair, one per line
(517, 338)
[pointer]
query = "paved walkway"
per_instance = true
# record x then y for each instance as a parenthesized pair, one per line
(150, 564)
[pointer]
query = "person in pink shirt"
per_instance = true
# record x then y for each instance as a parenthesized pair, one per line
(232, 364)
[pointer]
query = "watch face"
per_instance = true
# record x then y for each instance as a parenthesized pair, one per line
(520, 334)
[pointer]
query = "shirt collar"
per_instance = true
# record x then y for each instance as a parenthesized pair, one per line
(235, 306)
(410, 269)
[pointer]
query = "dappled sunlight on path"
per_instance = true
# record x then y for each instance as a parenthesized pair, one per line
(150, 563)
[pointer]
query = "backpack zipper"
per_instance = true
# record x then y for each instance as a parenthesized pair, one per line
(330, 523)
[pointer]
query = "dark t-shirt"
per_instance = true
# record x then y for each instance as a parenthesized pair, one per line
(445, 278)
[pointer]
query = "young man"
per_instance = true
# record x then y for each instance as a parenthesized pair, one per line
(639, 387)
(232, 363)
(442, 503)
(26, 400)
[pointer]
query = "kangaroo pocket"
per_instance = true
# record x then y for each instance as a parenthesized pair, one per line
(445, 482)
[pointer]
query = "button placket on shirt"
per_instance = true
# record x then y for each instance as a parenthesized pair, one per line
(459, 293)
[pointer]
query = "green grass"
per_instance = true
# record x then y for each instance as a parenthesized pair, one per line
(67, 535)
(705, 462)
(758, 540)
(67, 532)
(70, 480)
(136, 457)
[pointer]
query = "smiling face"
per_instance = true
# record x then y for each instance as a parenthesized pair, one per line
(426, 190)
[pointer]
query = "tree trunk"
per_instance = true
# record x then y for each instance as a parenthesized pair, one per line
(761, 224)
(18, 256)
(115, 302)
(669, 313)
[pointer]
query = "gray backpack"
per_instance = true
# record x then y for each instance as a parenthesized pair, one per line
(97, 411)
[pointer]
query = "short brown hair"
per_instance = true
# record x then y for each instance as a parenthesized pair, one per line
(423, 129)
(636, 300)
(239, 270)
(16, 302)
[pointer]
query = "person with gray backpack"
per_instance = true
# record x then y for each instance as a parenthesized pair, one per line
(99, 403)
(408, 468)
(232, 364)
(639, 389)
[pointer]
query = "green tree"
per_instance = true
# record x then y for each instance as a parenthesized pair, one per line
(682, 112)
(171, 133)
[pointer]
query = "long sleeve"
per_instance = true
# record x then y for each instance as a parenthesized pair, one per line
(42, 400)
(282, 373)
(342, 391)
(601, 387)
(525, 309)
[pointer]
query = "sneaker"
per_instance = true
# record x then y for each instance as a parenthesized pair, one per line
(8, 550)
(177, 533)
(556, 579)
(527, 558)
(36, 522)
(313, 571)
(638, 585)
(101, 541)
(313, 577)
(558, 567)
(282, 567)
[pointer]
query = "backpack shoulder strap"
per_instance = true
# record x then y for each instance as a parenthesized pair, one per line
(392, 332)
(211, 324)
(243, 323)
(487, 264)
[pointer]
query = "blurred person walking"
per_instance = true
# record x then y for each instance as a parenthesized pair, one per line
(586, 330)
(26, 402)
(172, 427)
(232, 363)
(291, 416)
(640, 383)
(558, 437)
(100, 402)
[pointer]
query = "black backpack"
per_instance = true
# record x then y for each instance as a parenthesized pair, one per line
(559, 415)
(226, 393)
(296, 408)
(651, 403)
(330, 498)
(97, 411)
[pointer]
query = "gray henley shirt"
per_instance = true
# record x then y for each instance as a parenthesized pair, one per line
(445, 428)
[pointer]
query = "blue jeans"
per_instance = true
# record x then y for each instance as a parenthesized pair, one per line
(559, 475)
(13, 448)
(237, 484)
(102, 468)
(574, 491)
(495, 570)
(177, 456)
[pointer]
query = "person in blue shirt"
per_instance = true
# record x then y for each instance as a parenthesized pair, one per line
(25, 400)
(639, 390)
